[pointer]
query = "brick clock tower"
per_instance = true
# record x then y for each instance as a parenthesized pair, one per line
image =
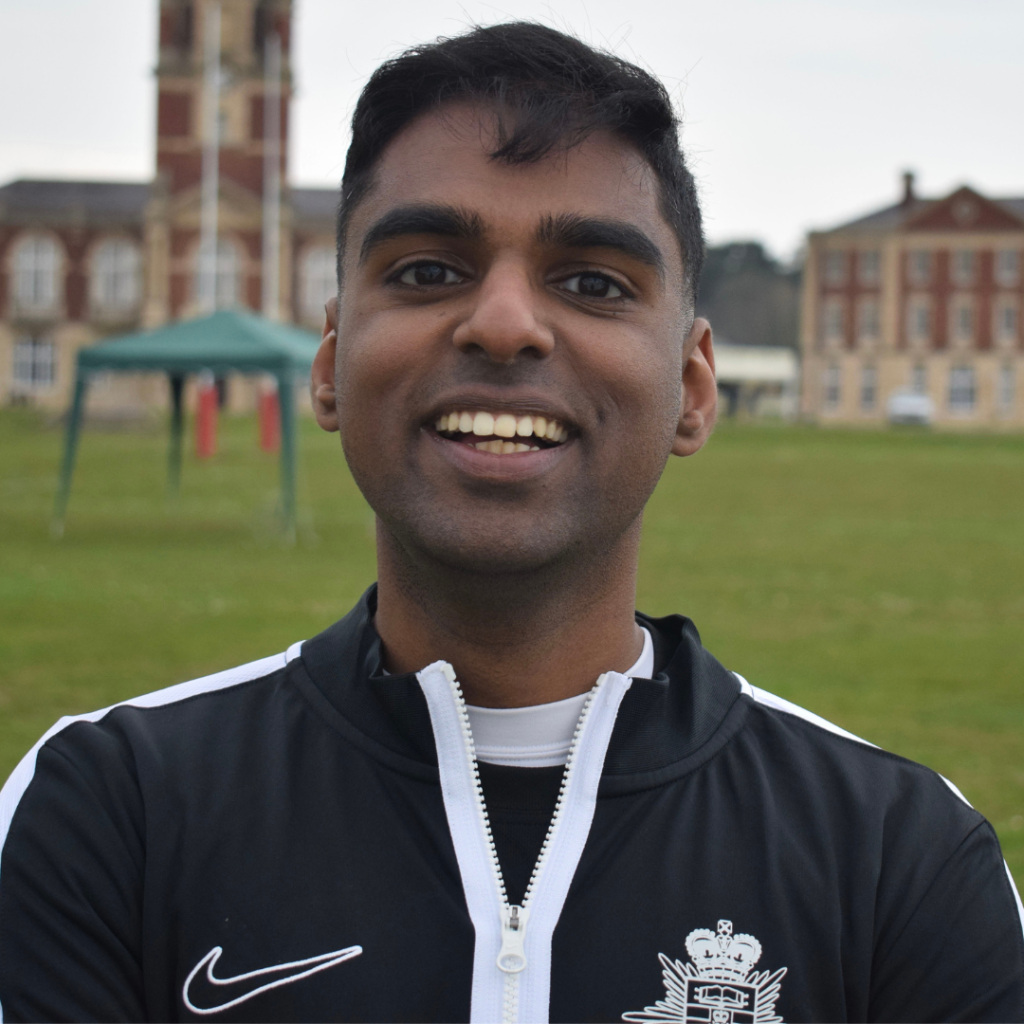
(185, 102)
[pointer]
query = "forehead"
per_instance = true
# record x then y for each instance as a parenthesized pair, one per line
(443, 157)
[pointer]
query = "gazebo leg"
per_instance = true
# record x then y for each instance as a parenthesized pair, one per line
(177, 381)
(286, 397)
(67, 468)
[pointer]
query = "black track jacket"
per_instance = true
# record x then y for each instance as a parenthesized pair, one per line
(303, 838)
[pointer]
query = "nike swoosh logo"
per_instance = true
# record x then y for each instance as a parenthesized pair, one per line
(302, 969)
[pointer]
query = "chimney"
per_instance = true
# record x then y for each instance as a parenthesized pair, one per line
(908, 188)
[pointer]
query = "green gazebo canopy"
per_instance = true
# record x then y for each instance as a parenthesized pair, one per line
(229, 341)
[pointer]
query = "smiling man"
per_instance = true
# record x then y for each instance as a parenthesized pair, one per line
(494, 791)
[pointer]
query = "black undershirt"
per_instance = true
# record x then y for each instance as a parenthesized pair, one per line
(521, 803)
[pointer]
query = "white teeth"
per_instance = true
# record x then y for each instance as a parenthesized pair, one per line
(504, 425)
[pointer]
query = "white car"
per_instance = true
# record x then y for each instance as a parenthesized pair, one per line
(911, 407)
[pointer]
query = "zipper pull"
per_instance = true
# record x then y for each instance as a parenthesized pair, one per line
(512, 958)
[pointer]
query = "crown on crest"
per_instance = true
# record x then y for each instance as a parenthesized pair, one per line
(722, 955)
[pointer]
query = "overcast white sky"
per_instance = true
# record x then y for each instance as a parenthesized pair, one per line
(797, 113)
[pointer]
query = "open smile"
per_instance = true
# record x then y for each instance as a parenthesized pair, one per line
(501, 433)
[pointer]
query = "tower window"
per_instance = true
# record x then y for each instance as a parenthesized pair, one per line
(228, 276)
(115, 276)
(319, 280)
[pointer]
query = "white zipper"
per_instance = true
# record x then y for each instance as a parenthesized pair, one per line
(459, 788)
(511, 959)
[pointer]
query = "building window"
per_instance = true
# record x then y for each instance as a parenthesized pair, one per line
(961, 325)
(919, 266)
(35, 364)
(37, 267)
(919, 379)
(963, 266)
(869, 323)
(919, 320)
(1005, 388)
(868, 387)
(831, 386)
(1007, 267)
(961, 389)
(228, 286)
(319, 280)
(869, 266)
(833, 320)
(835, 266)
(115, 276)
(1005, 321)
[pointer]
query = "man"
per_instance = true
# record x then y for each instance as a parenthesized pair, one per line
(493, 791)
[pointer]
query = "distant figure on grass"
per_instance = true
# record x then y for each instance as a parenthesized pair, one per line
(494, 791)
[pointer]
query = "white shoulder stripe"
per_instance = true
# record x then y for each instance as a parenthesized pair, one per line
(14, 789)
(1016, 896)
(771, 701)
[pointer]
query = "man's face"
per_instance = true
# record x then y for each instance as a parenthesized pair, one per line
(510, 346)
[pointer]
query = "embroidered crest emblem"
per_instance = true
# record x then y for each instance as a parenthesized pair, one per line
(719, 986)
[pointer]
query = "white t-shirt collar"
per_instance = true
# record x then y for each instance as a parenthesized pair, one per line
(538, 736)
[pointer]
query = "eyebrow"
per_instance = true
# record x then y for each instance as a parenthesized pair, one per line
(577, 232)
(425, 219)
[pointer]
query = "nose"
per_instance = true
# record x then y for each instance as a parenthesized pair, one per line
(505, 321)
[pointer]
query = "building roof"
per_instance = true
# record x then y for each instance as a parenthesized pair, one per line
(29, 199)
(891, 218)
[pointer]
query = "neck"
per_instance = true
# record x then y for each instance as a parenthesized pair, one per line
(514, 640)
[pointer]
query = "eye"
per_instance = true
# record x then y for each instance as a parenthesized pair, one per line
(593, 286)
(425, 275)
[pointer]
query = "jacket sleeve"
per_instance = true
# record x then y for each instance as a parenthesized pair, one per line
(71, 876)
(960, 956)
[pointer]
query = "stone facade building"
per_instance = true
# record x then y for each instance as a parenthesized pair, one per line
(84, 260)
(924, 297)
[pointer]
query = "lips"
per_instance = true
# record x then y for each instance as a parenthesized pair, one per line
(501, 433)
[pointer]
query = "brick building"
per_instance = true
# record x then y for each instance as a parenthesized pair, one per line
(80, 261)
(924, 297)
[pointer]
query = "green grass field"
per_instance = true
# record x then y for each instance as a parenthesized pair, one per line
(875, 578)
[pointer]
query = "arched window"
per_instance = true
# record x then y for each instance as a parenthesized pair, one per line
(228, 286)
(37, 267)
(319, 280)
(115, 276)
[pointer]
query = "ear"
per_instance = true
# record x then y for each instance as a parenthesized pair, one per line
(321, 384)
(699, 404)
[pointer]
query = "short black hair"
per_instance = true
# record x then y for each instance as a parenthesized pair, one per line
(549, 90)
